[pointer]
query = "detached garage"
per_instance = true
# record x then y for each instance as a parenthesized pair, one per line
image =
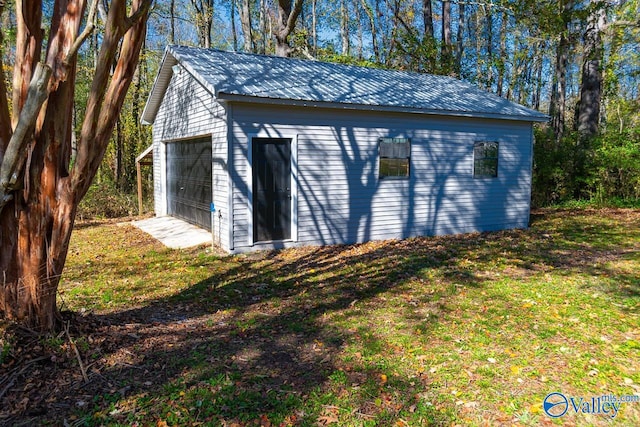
(271, 152)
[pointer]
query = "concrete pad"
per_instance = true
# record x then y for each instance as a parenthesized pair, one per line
(173, 232)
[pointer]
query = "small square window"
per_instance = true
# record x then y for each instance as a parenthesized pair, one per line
(395, 157)
(485, 159)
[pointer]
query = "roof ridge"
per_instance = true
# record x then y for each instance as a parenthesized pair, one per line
(321, 62)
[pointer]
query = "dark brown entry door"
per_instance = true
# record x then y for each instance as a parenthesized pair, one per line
(271, 189)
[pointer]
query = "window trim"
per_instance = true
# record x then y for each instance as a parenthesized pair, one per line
(394, 140)
(476, 174)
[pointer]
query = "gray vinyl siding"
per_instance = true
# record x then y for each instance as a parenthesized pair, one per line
(187, 111)
(342, 200)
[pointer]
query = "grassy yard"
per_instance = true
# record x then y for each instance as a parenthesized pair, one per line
(460, 330)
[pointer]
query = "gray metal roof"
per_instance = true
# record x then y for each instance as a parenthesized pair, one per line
(261, 78)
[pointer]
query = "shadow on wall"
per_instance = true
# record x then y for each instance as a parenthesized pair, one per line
(437, 198)
(188, 109)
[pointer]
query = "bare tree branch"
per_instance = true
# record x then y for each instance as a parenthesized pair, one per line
(293, 16)
(88, 29)
(142, 11)
(106, 97)
(14, 157)
(409, 29)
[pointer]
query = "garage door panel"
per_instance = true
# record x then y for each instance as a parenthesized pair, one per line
(189, 180)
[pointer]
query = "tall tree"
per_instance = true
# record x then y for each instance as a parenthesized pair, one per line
(287, 16)
(232, 18)
(427, 19)
(172, 21)
(557, 103)
(314, 26)
(40, 184)
(460, 39)
(588, 110)
(344, 28)
(247, 30)
(503, 53)
(358, 20)
(372, 26)
(203, 20)
(446, 57)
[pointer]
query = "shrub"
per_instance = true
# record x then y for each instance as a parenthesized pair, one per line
(104, 200)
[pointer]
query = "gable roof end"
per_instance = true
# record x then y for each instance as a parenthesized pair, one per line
(269, 79)
(159, 88)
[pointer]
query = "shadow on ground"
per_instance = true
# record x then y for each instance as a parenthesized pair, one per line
(253, 338)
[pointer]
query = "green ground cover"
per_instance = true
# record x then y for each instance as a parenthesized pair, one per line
(473, 329)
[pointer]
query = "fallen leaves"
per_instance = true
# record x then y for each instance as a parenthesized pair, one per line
(457, 328)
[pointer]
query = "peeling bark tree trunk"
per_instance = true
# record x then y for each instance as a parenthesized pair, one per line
(39, 188)
(287, 17)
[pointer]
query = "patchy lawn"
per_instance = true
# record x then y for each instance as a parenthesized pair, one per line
(461, 330)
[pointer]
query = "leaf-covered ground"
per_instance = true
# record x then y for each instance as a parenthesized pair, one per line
(473, 329)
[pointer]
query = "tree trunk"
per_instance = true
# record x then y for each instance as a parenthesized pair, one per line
(557, 104)
(247, 32)
(262, 17)
(588, 112)
(37, 219)
(203, 20)
(588, 109)
(427, 19)
(358, 19)
(5, 130)
(314, 27)
(446, 57)
(372, 24)
(232, 18)
(539, 65)
(460, 39)
(172, 22)
(344, 28)
(480, 78)
(287, 17)
(503, 53)
(119, 140)
(29, 38)
(429, 43)
(516, 70)
(391, 42)
(489, 26)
